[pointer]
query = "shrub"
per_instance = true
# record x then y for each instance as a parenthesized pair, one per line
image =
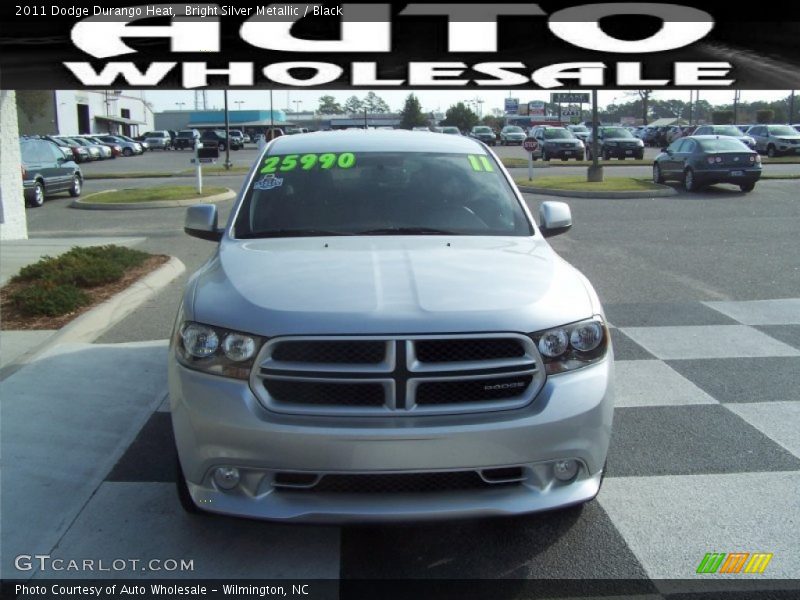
(47, 298)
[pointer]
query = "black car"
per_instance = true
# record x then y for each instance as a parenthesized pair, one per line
(484, 134)
(703, 160)
(217, 136)
(186, 138)
(46, 171)
(615, 142)
(556, 142)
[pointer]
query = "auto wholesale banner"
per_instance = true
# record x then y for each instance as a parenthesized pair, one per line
(523, 45)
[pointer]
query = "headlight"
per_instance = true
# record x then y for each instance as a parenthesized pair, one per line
(572, 346)
(216, 350)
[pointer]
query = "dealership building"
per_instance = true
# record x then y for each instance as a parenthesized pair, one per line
(72, 112)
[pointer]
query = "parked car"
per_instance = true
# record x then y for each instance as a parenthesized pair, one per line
(450, 130)
(217, 136)
(579, 131)
(46, 171)
(106, 150)
(702, 160)
(186, 138)
(160, 140)
(420, 128)
(616, 142)
(484, 134)
(796, 126)
(78, 153)
(557, 142)
(95, 153)
(512, 134)
(726, 130)
(247, 139)
(114, 149)
(673, 133)
(775, 140)
(238, 135)
(127, 147)
(297, 394)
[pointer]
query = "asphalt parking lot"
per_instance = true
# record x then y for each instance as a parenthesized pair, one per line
(702, 291)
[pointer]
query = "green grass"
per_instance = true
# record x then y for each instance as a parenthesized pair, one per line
(55, 286)
(154, 194)
(220, 170)
(516, 163)
(578, 183)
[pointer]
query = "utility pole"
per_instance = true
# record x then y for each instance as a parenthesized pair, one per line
(228, 164)
(791, 108)
(365, 118)
(736, 95)
(595, 172)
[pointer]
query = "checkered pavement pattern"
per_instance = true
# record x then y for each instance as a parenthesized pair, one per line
(705, 457)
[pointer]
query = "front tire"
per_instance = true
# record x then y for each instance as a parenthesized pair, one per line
(75, 189)
(689, 181)
(771, 152)
(658, 176)
(221, 147)
(747, 187)
(606, 155)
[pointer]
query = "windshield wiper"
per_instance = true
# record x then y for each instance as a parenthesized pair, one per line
(407, 231)
(291, 233)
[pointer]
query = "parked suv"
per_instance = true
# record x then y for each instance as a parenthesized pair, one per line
(186, 138)
(775, 140)
(615, 142)
(217, 136)
(46, 171)
(556, 142)
(512, 134)
(160, 140)
(384, 333)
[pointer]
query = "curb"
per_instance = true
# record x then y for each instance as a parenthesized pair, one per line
(95, 322)
(662, 193)
(82, 204)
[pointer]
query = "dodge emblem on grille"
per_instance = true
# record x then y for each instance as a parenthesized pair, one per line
(504, 386)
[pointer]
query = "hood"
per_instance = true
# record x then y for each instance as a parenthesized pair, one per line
(387, 284)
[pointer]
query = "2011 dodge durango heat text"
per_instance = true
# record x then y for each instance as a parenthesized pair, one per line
(384, 333)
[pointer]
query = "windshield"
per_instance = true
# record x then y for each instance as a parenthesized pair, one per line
(380, 193)
(450, 130)
(482, 130)
(579, 128)
(186, 134)
(616, 132)
(723, 145)
(557, 134)
(782, 130)
(513, 129)
(727, 130)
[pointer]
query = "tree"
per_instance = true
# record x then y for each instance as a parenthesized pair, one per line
(461, 116)
(412, 115)
(765, 116)
(353, 105)
(722, 117)
(329, 106)
(493, 121)
(33, 103)
(644, 95)
(375, 104)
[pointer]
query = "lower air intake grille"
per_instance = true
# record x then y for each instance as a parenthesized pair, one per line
(410, 483)
(325, 393)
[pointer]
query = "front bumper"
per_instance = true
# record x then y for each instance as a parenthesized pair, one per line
(617, 151)
(219, 422)
(565, 153)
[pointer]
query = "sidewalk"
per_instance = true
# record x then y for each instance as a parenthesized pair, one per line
(16, 345)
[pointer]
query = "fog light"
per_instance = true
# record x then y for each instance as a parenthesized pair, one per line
(226, 477)
(565, 470)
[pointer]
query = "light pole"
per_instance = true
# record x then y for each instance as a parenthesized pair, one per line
(297, 104)
(238, 104)
(595, 172)
(180, 105)
(228, 164)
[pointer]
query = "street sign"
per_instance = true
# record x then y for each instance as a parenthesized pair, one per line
(536, 107)
(512, 106)
(531, 144)
(569, 111)
(568, 98)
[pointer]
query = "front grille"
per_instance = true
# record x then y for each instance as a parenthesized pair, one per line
(384, 376)
(408, 483)
(471, 391)
(334, 352)
(287, 391)
(439, 351)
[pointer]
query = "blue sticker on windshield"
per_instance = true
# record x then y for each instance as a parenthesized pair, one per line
(270, 182)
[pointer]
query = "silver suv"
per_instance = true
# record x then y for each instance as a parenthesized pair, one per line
(384, 333)
(775, 140)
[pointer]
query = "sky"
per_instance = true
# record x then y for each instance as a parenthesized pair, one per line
(432, 100)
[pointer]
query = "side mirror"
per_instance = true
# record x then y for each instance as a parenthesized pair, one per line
(201, 222)
(555, 218)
